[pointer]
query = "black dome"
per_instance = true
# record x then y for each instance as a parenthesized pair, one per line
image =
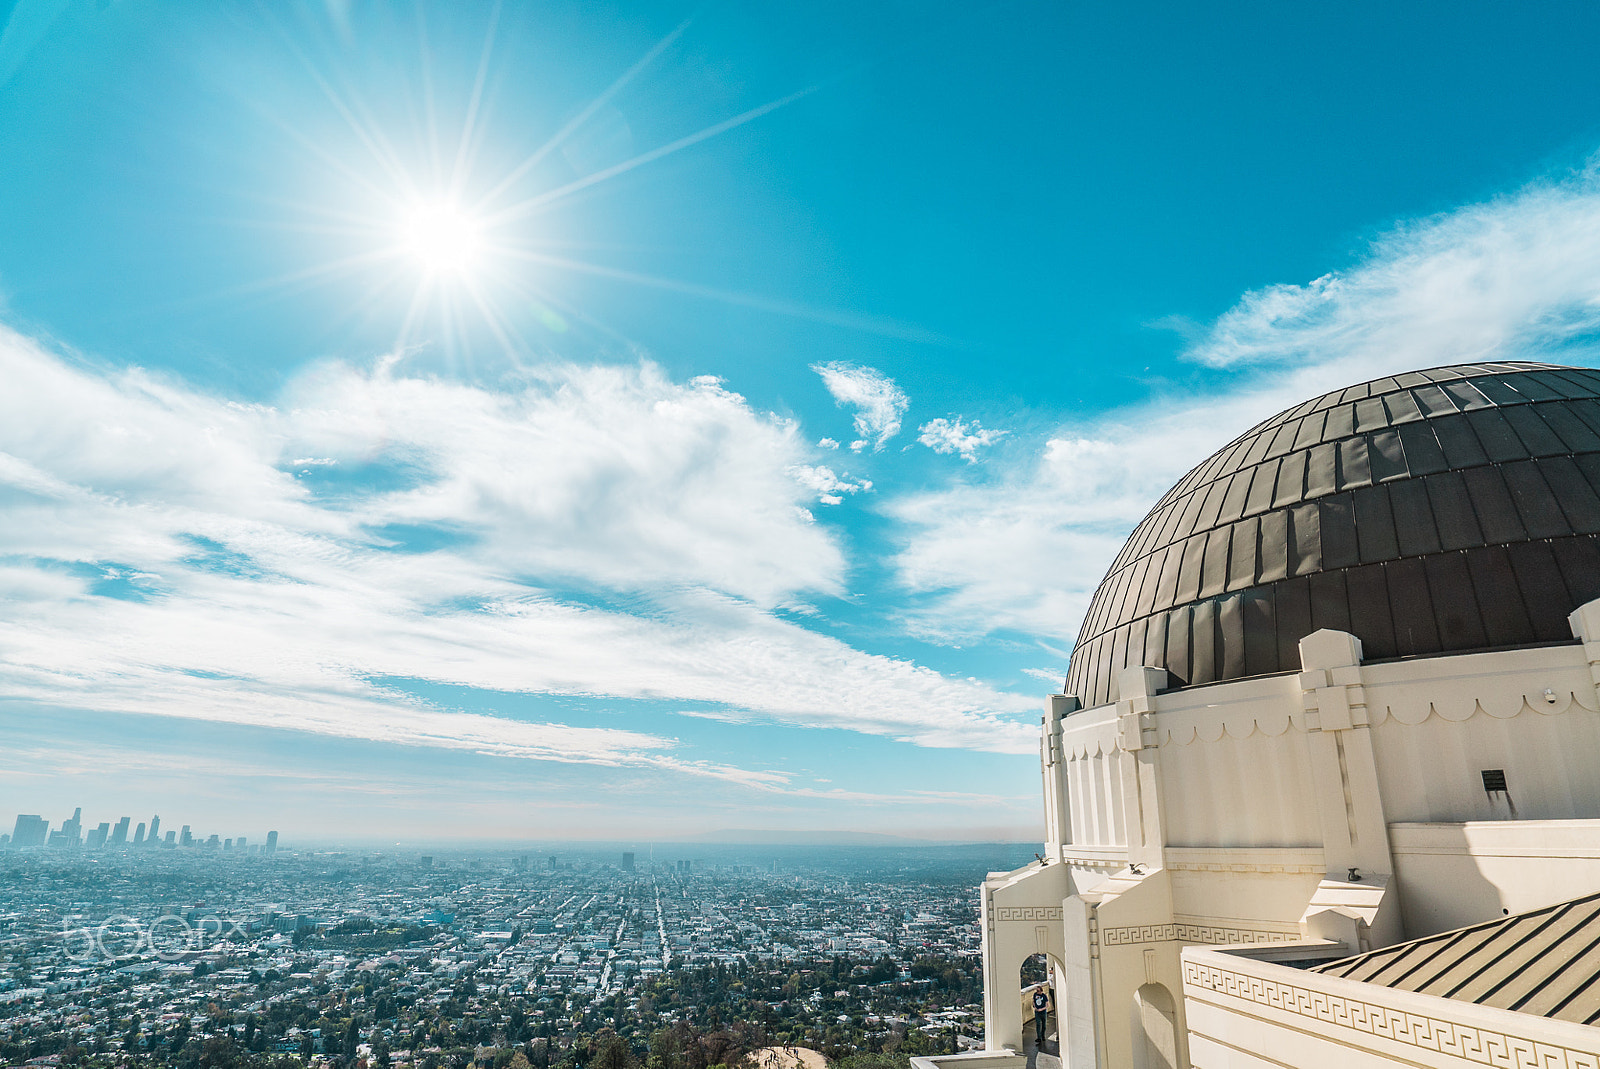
(1434, 512)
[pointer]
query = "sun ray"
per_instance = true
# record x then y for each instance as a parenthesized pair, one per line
(413, 307)
(517, 173)
(501, 330)
(527, 207)
(530, 293)
(429, 111)
(289, 281)
(879, 325)
(466, 150)
(366, 130)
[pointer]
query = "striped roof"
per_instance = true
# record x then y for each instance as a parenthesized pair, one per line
(1546, 962)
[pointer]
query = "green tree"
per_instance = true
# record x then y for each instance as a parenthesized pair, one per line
(614, 1053)
(380, 1049)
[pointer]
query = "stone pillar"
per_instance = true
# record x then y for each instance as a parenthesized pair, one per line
(999, 1032)
(1079, 1013)
(1053, 765)
(1140, 759)
(1585, 624)
(1355, 836)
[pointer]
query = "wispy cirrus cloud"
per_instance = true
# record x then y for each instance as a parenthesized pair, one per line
(1516, 277)
(1513, 277)
(878, 402)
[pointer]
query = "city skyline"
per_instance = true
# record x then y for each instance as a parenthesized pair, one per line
(32, 831)
(37, 831)
(635, 421)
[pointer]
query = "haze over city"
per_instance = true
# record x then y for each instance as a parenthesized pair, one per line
(642, 422)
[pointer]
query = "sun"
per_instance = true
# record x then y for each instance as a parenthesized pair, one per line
(442, 239)
(456, 246)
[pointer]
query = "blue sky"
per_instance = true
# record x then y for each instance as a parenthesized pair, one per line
(588, 420)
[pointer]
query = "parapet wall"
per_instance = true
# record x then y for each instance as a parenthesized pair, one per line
(1242, 1011)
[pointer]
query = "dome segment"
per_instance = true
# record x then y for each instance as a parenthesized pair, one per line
(1439, 511)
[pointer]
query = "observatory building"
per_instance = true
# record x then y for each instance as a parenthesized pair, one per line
(1336, 696)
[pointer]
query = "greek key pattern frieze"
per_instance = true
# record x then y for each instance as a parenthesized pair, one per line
(1138, 933)
(1206, 933)
(1028, 913)
(1189, 933)
(1478, 1046)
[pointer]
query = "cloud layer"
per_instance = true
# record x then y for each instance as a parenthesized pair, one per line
(595, 531)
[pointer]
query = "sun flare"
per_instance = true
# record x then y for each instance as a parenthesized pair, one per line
(442, 239)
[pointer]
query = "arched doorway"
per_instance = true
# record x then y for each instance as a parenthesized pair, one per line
(1035, 977)
(1155, 1028)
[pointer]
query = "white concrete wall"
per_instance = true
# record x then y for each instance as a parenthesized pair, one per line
(1245, 1014)
(1438, 722)
(1453, 875)
(1254, 791)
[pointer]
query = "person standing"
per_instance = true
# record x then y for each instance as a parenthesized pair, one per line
(1041, 1008)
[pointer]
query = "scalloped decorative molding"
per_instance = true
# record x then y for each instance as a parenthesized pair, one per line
(1182, 728)
(1502, 709)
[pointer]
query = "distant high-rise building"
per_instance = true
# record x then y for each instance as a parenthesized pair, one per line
(426, 861)
(119, 835)
(138, 834)
(31, 830)
(553, 864)
(214, 843)
(171, 841)
(71, 833)
(155, 830)
(627, 862)
(241, 842)
(520, 862)
(185, 838)
(272, 842)
(98, 837)
(227, 844)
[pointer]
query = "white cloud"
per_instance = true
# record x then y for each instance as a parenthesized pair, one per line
(255, 595)
(1025, 553)
(601, 474)
(827, 443)
(826, 484)
(956, 436)
(1514, 278)
(878, 402)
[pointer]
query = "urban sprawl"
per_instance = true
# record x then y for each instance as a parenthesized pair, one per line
(216, 955)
